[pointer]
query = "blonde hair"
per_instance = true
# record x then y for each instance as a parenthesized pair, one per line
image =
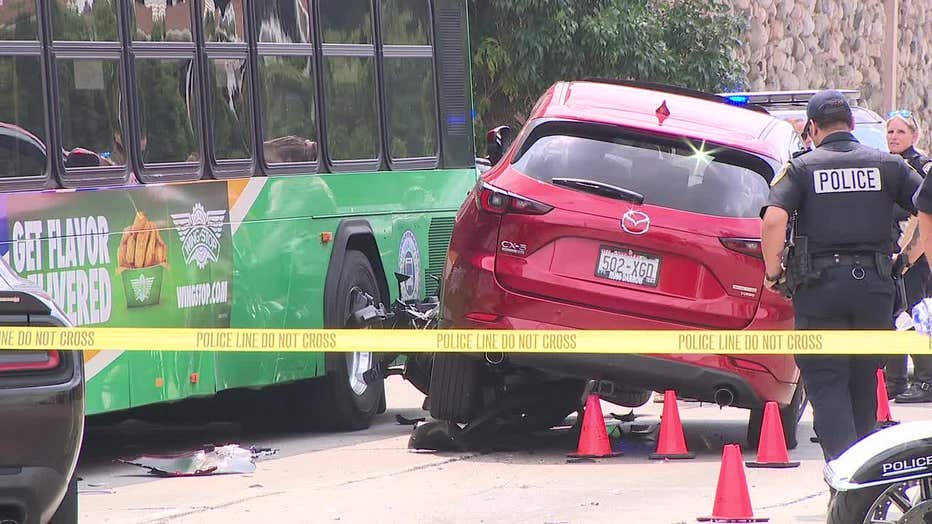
(911, 122)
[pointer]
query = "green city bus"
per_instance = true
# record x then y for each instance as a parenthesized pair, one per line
(232, 163)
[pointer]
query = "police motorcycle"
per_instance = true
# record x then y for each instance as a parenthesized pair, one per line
(884, 478)
(400, 314)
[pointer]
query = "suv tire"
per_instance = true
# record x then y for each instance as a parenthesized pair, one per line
(454, 387)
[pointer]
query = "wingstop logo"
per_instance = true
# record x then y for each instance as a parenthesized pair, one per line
(200, 232)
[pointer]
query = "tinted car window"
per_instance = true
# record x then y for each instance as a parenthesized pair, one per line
(682, 176)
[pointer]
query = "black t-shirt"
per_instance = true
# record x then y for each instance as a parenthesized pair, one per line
(845, 195)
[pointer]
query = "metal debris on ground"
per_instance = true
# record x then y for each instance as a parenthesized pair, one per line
(209, 460)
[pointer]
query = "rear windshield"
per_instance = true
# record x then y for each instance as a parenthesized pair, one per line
(681, 174)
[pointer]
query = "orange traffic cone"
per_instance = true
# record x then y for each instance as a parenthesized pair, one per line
(771, 450)
(884, 417)
(671, 443)
(732, 501)
(593, 439)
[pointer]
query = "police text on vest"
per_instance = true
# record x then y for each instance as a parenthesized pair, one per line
(846, 179)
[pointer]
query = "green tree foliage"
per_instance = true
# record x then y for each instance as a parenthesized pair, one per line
(520, 47)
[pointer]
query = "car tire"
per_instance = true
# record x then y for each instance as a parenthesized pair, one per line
(789, 419)
(454, 387)
(341, 401)
(67, 512)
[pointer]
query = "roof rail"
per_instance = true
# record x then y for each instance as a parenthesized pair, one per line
(676, 90)
(788, 97)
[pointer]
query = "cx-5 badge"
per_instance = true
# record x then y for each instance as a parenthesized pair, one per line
(635, 222)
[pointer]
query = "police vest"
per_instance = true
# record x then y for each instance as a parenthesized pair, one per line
(849, 197)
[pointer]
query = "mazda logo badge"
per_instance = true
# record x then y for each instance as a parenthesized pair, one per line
(635, 222)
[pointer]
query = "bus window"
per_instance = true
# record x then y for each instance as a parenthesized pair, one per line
(288, 118)
(287, 84)
(18, 20)
(168, 111)
(283, 22)
(89, 104)
(405, 22)
(224, 21)
(87, 21)
(352, 112)
(346, 21)
(162, 23)
(408, 70)
(349, 77)
(166, 93)
(229, 96)
(23, 151)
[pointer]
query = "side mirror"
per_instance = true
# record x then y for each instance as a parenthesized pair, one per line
(497, 141)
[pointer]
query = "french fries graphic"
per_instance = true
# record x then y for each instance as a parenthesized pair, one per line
(141, 245)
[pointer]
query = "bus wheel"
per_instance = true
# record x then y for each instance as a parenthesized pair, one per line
(343, 401)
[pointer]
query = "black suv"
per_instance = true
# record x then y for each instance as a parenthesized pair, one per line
(42, 414)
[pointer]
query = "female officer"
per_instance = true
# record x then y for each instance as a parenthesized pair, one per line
(902, 134)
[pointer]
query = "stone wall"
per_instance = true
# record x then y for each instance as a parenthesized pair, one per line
(914, 70)
(814, 44)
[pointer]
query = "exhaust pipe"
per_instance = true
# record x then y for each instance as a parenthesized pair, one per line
(724, 397)
(495, 358)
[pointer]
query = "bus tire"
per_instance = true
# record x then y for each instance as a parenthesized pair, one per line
(67, 512)
(342, 402)
(454, 387)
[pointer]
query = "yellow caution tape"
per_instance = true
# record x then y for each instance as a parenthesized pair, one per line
(470, 341)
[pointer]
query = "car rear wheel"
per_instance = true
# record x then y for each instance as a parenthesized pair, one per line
(454, 387)
(67, 512)
(789, 418)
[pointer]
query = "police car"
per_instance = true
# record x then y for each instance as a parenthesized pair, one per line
(869, 127)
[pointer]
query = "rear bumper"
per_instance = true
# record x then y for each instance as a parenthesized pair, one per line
(38, 459)
(31, 493)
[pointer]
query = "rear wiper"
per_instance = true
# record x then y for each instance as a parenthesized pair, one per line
(600, 188)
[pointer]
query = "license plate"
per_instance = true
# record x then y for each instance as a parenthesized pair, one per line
(629, 266)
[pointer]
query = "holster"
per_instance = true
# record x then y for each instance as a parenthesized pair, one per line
(900, 302)
(798, 267)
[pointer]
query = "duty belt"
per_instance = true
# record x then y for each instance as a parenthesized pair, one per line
(858, 260)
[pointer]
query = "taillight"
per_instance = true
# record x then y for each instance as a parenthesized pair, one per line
(494, 200)
(28, 360)
(745, 246)
(748, 365)
(483, 317)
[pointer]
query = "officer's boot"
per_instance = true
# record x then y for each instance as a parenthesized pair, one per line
(918, 392)
(895, 386)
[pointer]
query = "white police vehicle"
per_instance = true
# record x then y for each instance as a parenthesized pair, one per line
(869, 127)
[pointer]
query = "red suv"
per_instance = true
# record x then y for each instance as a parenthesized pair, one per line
(619, 205)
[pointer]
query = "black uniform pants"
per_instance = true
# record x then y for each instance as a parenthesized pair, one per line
(842, 389)
(917, 280)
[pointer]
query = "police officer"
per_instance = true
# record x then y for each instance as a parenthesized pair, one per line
(902, 134)
(844, 195)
